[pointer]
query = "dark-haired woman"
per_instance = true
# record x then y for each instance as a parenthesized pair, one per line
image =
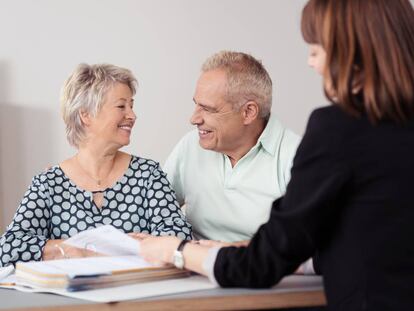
(350, 199)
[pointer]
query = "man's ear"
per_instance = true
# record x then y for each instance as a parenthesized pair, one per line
(250, 112)
(85, 117)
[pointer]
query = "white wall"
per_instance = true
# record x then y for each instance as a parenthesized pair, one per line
(163, 42)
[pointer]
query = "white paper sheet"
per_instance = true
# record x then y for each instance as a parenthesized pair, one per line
(105, 240)
(6, 271)
(293, 283)
(128, 292)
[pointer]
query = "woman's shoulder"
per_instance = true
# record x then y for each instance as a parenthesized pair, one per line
(330, 119)
(49, 177)
(331, 128)
(50, 173)
(138, 162)
(331, 113)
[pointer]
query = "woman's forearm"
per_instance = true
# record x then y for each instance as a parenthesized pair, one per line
(194, 257)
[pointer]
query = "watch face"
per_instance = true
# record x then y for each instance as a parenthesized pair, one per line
(178, 260)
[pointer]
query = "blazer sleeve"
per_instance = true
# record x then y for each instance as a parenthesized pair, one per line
(299, 221)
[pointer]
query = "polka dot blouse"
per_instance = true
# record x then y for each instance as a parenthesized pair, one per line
(55, 208)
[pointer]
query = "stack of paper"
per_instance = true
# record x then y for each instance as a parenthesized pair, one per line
(120, 265)
(92, 273)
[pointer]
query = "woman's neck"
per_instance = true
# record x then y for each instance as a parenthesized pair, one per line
(96, 163)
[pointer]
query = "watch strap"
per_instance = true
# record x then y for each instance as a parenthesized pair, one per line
(181, 245)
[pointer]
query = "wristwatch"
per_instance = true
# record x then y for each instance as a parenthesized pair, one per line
(178, 258)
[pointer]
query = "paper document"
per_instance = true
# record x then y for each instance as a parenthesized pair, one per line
(105, 240)
(93, 272)
(290, 284)
(7, 278)
(4, 272)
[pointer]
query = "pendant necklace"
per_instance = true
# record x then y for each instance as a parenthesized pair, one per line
(99, 181)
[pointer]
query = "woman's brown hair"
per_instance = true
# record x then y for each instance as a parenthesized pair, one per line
(369, 47)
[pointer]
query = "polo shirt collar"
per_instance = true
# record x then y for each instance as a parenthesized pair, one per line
(271, 136)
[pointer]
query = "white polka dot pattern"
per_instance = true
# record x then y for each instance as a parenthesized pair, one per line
(55, 208)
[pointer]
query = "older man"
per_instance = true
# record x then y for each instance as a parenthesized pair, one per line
(229, 170)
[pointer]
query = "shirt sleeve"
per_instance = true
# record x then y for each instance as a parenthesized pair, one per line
(28, 233)
(290, 145)
(166, 215)
(298, 221)
(306, 268)
(208, 264)
(172, 168)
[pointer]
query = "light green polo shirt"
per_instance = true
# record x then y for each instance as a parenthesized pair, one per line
(230, 203)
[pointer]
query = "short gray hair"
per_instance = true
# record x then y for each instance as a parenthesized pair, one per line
(85, 91)
(247, 79)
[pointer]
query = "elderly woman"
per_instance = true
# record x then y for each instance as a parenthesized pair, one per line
(99, 185)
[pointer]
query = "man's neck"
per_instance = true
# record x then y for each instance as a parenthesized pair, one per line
(250, 139)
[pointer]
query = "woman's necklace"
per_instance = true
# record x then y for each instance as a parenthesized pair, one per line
(97, 181)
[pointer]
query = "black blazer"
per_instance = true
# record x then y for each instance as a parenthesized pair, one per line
(350, 201)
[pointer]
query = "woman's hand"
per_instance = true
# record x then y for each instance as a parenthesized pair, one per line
(158, 250)
(57, 249)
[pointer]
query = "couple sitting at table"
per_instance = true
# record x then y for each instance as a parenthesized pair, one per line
(228, 192)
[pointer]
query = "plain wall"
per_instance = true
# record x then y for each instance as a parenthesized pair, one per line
(164, 42)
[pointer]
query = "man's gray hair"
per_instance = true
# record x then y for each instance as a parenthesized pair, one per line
(247, 79)
(85, 91)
